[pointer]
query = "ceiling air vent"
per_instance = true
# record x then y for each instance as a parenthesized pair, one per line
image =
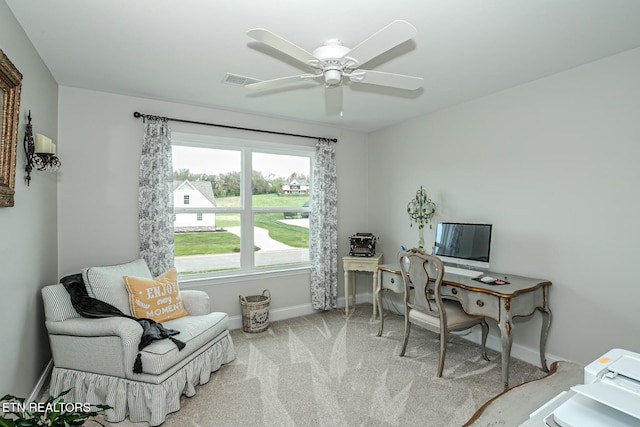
(235, 79)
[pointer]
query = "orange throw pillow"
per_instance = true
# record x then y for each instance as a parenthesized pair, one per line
(158, 299)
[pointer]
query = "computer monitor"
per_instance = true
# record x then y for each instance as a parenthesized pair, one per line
(463, 243)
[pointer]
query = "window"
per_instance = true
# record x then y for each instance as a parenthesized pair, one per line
(186, 199)
(252, 204)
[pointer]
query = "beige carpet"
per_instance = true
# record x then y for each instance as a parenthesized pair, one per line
(514, 406)
(324, 370)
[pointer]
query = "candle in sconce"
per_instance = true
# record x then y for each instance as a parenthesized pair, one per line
(44, 145)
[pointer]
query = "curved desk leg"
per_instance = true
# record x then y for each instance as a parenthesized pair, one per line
(544, 332)
(505, 333)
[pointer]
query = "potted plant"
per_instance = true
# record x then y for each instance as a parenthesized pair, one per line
(54, 412)
(421, 209)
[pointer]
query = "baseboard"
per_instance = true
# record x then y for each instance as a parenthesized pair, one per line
(524, 353)
(235, 322)
(42, 383)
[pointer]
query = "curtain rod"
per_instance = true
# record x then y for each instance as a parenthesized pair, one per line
(138, 115)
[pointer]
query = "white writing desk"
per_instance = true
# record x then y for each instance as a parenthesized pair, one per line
(521, 297)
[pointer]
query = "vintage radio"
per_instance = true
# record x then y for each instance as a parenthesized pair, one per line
(362, 244)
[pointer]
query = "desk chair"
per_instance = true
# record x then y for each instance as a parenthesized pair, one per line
(425, 308)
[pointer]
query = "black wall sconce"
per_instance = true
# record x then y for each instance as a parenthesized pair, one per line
(40, 152)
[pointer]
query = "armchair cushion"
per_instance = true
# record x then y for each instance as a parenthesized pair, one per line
(158, 299)
(195, 331)
(106, 283)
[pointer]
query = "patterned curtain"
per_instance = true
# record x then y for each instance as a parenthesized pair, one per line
(155, 196)
(323, 228)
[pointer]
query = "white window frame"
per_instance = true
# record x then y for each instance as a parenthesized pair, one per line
(246, 211)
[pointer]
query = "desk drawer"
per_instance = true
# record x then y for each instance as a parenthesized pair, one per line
(477, 303)
(360, 265)
(391, 281)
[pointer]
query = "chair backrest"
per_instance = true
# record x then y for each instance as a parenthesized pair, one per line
(424, 272)
(106, 283)
(103, 282)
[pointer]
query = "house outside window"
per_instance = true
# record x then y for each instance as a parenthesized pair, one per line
(257, 226)
(189, 200)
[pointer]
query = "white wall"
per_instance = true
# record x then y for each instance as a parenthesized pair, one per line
(28, 255)
(554, 166)
(98, 196)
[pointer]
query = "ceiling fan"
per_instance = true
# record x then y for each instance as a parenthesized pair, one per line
(333, 63)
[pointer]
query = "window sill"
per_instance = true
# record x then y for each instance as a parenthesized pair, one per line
(196, 282)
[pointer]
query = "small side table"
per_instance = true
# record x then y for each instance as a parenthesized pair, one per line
(352, 264)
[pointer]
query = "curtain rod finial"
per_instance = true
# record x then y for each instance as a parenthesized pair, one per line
(137, 115)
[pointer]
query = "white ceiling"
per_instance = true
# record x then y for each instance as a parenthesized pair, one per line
(180, 50)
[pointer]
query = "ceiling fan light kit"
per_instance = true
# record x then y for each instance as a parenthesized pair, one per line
(332, 78)
(334, 63)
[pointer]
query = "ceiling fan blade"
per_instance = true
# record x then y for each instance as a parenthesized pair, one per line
(379, 78)
(268, 84)
(283, 45)
(333, 100)
(387, 38)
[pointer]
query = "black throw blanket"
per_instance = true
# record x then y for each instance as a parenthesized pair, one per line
(87, 306)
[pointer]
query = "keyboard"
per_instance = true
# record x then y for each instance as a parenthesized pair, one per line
(462, 271)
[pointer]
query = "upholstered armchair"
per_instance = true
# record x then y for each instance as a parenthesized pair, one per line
(95, 357)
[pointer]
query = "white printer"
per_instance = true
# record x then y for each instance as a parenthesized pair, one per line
(609, 397)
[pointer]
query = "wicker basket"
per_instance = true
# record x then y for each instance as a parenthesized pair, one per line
(255, 312)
